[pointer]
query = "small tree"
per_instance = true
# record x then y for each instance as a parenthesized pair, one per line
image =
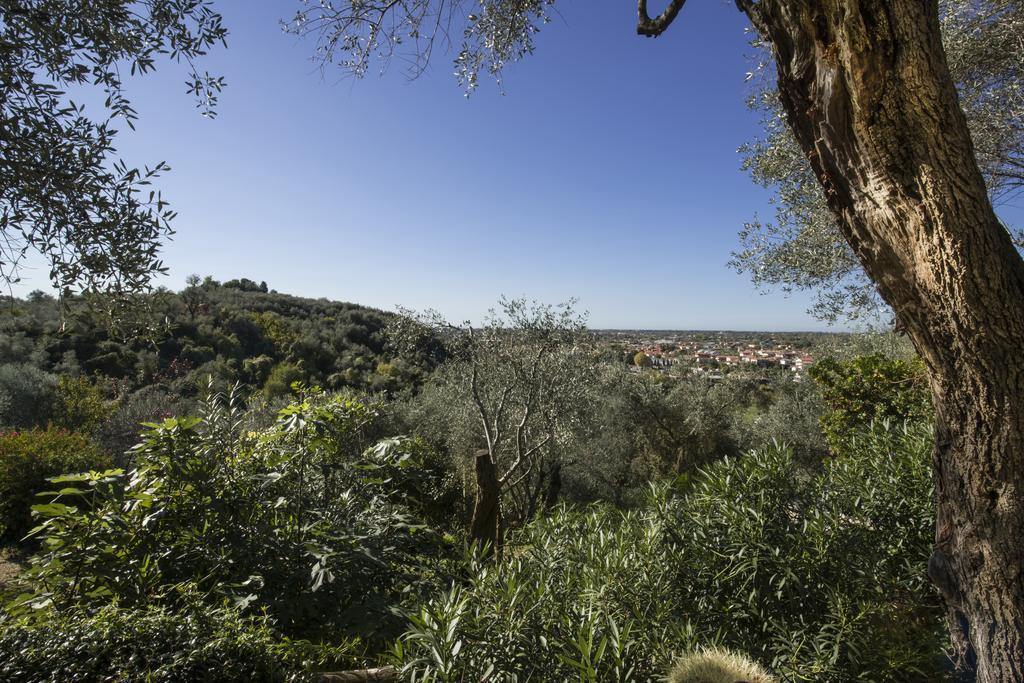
(518, 376)
(869, 388)
(193, 296)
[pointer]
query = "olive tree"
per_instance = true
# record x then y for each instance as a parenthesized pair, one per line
(868, 94)
(64, 194)
(802, 247)
(516, 384)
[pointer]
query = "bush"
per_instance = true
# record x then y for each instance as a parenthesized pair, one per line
(818, 578)
(197, 355)
(583, 595)
(792, 417)
(279, 382)
(27, 459)
(194, 643)
(866, 389)
(80, 405)
(288, 520)
(26, 396)
(255, 370)
(824, 578)
(120, 431)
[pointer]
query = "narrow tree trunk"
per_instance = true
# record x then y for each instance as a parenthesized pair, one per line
(533, 491)
(554, 487)
(869, 97)
(485, 526)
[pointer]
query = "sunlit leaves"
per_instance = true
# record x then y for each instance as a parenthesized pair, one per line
(488, 34)
(63, 192)
(819, 576)
(800, 248)
(294, 520)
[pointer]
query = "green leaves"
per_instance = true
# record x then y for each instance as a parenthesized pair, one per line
(293, 520)
(64, 192)
(54, 509)
(866, 389)
(584, 596)
(191, 643)
(31, 459)
(434, 635)
(820, 576)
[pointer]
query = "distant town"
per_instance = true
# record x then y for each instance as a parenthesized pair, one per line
(714, 354)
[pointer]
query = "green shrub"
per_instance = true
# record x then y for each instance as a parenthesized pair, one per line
(27, 459)
(26, 396)
(288, 520)
(866, 389)
(197, 355)
(582, 596)
(192, 643)
(819, 578)
(112, 359)
(824, 578)
(255, 370)
(419, 478)
(279, 381)
(120, 431)
(792, 416)
(80, 405)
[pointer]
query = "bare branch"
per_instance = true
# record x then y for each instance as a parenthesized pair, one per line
(652, 28)
(475, 391)
(498, 412)
(527, 411)
(529, 462)
(526, 457)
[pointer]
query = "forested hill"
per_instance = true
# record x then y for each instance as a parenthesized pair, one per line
(231, 331)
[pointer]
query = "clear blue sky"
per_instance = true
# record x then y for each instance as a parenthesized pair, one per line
(607, 171)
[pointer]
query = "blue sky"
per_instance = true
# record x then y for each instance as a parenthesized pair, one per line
(606, 171)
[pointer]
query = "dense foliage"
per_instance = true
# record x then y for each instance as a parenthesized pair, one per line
(869, 388)
(83, 374)
(641, 513)
(821, 578)
(195, 642)
(27, 459)
(291, 520)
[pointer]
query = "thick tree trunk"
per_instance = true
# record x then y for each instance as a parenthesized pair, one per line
(485, 526)
(867, 92)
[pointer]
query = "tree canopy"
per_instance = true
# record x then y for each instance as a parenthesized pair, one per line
(64, 193)
(801, 247)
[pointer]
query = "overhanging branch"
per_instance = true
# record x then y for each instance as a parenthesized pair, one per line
(652, 28)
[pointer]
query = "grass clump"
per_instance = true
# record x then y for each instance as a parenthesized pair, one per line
(717, 665)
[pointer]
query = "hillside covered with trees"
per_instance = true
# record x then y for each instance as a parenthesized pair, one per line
(165, 355)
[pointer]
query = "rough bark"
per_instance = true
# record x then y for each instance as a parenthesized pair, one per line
(485, 526)
(868, 95)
